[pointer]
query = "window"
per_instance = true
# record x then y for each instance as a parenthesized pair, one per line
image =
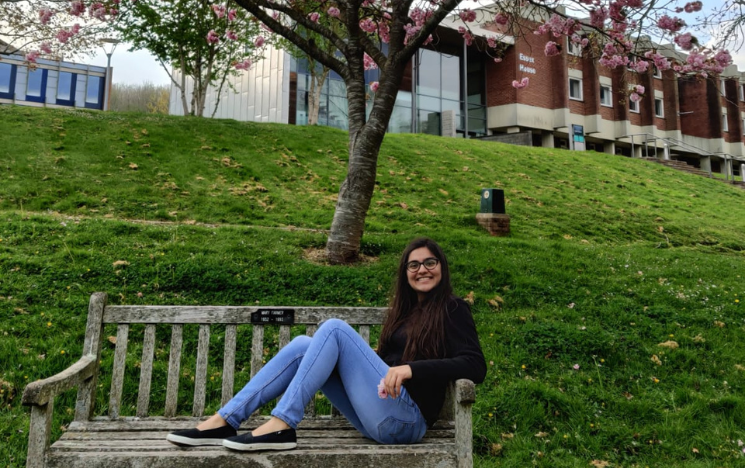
(725, 125)
(7, 80)
(606, 96)
(575, 89)
(66, 88)
(722, 89)
(742, 92)
(659, 110)
(574, 48)
(656, 72)
(36, 86)
(634, 106)
(94, 92)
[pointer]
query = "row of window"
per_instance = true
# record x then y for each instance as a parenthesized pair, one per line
(606, 97)
(36, 87)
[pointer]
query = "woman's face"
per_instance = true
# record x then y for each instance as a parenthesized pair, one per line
(423, 280)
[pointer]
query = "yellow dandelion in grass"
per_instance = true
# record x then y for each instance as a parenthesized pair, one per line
(671, 335)
(62, 352)
(602, 360)
(656, 380)
(42, 314)
(523, 366)
(737, 300)
(592, 425)
(490, 415)
(49, 324)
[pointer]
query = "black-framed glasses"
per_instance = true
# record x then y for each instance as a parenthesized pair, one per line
(429, 263)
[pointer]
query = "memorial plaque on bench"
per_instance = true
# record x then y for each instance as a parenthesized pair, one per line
(278, 316)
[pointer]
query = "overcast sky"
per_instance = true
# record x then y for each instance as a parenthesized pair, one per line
(140, 67)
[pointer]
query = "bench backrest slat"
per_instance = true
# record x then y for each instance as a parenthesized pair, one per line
(228, 367)
(257, 349)
(365, 333)
(174, 367)
(200, 379)
(228, 314)
(146, 371)
(284, 336)
(117, 375)
(310, 410)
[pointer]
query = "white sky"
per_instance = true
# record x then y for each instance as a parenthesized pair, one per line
(139, 66)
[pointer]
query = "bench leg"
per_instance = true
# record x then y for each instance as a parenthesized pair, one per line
(464, 435)
(39, 433)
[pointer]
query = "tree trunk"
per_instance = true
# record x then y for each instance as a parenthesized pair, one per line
(314, 98)
(365, 139)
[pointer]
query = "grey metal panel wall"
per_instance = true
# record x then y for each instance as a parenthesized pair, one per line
(80, 90)
(260, 94)
(21, 80)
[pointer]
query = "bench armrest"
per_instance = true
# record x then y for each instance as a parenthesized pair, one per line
(43, 391)
(465, 391)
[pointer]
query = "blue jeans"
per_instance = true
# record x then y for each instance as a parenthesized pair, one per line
(337, 361)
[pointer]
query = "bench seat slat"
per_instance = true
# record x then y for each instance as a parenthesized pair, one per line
(200, 377)
(228, 314)
(228, 368)
(158, 423)
(117, 376)
(146, 371)
(174, 367)
(412, 456)
(305, 433)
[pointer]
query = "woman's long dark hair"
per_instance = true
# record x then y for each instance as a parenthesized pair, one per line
(425, 320)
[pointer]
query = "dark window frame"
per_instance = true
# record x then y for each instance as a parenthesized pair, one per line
(12, 84)
(73, 89)
(98, 105)
(43, 91)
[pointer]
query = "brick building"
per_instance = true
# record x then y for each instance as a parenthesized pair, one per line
(571, 102)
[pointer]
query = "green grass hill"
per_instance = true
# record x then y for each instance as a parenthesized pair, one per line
(611, 317)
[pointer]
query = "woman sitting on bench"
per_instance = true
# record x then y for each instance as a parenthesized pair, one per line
(428, 339)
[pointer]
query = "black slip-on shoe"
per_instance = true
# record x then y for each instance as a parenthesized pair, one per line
(280, 440)
(195, 437)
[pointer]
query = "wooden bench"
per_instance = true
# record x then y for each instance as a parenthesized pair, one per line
(115, 441)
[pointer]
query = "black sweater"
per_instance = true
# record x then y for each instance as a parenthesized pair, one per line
(463, 360)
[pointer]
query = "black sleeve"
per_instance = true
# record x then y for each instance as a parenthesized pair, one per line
(464, 360)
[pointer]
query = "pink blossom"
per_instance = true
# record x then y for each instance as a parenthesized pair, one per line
(113, 12)
(75, 28)
(219, 10)
(314, 16)
(382, 393)
(639, 89)
(468, 15)
(230, 35)
(520, 84)
(45, 15)
(552, 49)
(491, 42)
(77, 8)
(64, 35)
(723, 58)
(640, 66)
(259, 41)
(212, 37)
(635, 97)
(244, 65)
(497, 59)
(97, 10)
(368, 25)
(670, 24)
(575, 367)
(692, 7)
(374, 85)
(32, 56)
(685, 41)
(369, 62)
(232, 15)
(46, 48)
(333, 12)
(501, 19)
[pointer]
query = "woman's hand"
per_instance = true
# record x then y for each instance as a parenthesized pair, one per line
(395, 378)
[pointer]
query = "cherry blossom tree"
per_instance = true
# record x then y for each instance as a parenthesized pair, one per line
(200, 40)
(385, 34)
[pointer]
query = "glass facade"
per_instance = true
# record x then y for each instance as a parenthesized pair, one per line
(36, 85)
(7, 80)
(66, 87)
(432, 84)
(93, 90)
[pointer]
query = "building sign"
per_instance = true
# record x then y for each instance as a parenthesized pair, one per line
(578, 138)
(525, 68)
